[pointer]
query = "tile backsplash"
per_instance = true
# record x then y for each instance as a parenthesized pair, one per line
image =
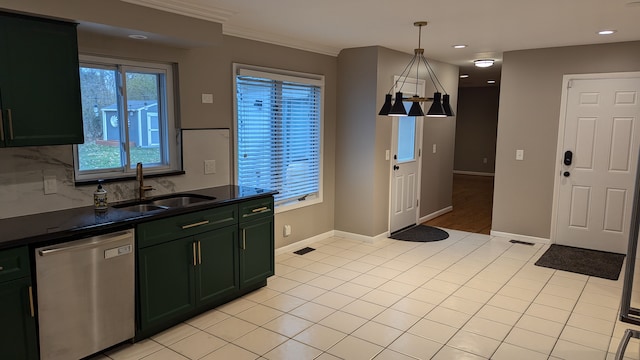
(22, 172)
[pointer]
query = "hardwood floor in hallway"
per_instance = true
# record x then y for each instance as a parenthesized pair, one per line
(472, 205)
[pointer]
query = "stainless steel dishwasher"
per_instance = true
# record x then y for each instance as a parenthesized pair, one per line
(86, 295)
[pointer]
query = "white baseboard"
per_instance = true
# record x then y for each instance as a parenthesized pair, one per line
(435, 214)
(462, 172)
(364, 238)
(531, 239)
(302, 243)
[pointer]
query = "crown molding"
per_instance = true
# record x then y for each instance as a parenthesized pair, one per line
(278, 40)
(187, 8)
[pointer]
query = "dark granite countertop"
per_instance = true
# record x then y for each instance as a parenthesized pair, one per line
(86, 221)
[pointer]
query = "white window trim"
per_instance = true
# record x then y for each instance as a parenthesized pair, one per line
(173, 139)
(285, 75)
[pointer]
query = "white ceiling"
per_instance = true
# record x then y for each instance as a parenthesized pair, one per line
(488, 27)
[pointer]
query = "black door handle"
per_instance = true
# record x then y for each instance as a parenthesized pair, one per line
(566, 174)
(396, 167)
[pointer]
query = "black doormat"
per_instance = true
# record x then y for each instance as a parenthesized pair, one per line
(421, 233)
(303, 251)
(596, 263)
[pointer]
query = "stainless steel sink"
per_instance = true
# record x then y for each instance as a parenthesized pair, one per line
(141, 207)
(163, 202)
(180, 200)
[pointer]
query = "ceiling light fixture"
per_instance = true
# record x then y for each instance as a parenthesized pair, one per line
(440, 106)
(491, 81)
(483, 63)
(464, 76)
(459, 46)
(606, 32)
(138, 36)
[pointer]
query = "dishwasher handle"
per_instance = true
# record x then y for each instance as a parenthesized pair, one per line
(88, 243)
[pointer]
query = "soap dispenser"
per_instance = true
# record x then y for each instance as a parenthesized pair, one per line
(100, 198)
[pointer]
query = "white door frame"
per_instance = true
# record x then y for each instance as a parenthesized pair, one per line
(561, 130)
(410, 84)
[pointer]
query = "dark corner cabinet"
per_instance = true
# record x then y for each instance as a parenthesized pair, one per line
(39, 82)
(18, 339)
(193, 262)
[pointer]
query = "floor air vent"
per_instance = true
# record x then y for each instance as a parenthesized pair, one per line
(304, 251)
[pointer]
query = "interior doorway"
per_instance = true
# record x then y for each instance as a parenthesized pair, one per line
(472, 205)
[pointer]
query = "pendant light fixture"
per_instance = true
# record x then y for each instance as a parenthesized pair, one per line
(440, 106)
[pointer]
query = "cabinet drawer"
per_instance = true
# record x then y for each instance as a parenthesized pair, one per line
(159, 231)
(14, 264)
(256, 209)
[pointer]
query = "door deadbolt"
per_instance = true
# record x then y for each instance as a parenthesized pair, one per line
(396, 167)
(568, 157)
(566, 174)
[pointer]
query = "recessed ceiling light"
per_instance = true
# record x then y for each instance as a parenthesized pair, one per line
(464, 76)
(459, 46)
(491, 81)
(483, 63)
(606, 32)
(138, 37)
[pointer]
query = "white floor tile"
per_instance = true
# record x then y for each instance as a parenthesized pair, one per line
(260, 341)
(198, 345)
(449, 353)
(377, 333)
(447, 316)
(342, 321)
(585, 322)
(531, 340)
(353, 348)
(540, 326)
(396, 319)
(284, 302)
(312, 311)
(292, 350)
(474, 343)
(415, 346)
(281, 284)
(320, 337)
(461, 305)
(134, 351)
(585, 338)
(175, 334)
(231, 351)
(571, 351)
(485, 327)
(231, 328)
(166, 354)
(412, 306)
(288, 325)
(259, 314)
(510, 352)
(363, 309)
(432, 330)
(388, 354)
(382, 298)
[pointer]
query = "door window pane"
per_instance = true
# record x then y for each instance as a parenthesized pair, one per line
(406, 138)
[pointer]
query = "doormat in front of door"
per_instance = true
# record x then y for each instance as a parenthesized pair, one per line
(420, 233)
(596, 263)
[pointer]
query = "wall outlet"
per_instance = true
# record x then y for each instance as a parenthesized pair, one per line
(519, 155)
(286, 231)
(209, 167)
(484, 160)
(434, 148)
(50, 184)
(387, 155)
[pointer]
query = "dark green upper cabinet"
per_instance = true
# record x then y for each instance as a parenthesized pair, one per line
(39, 82)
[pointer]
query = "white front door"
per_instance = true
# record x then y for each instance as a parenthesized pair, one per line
(598, 163)
(405, 171)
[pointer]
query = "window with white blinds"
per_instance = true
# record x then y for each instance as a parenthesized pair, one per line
(278, 134)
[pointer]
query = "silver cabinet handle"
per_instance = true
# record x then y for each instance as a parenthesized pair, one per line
(1, 126)
(205, 222)
(193, 245)
(10, 124)
(261, 209)
(199, 254)
(31, 302)
(244, 239)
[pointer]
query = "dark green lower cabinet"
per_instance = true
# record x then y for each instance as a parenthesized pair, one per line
(18, 338)
(166, 281)
(216, 274)
(256, 251)
(179, 277)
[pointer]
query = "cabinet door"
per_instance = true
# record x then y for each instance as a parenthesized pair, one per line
(216, 274)
(256, 251)
(18, 330)
(166, 281)
(39, 82)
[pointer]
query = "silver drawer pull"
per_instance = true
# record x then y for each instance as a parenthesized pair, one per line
(205, 222)
(1, 268)
(260, 209)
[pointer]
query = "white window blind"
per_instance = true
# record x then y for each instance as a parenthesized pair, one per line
(278, 134)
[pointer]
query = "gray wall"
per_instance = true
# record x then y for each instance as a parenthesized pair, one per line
(476, 129)
(362, 172)
(205, 68)
(528, 118)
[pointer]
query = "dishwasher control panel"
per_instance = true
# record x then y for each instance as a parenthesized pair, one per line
(122, 250)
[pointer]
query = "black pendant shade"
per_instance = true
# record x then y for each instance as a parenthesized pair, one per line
(436, 109)
(398, 107)
(446, 105)
(416, 109)
(387, 105)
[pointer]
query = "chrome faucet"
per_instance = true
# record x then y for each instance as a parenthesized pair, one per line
(142, 189)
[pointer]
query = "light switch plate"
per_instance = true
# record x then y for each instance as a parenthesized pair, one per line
(207, 98)
(519, 155)
(50, 184)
